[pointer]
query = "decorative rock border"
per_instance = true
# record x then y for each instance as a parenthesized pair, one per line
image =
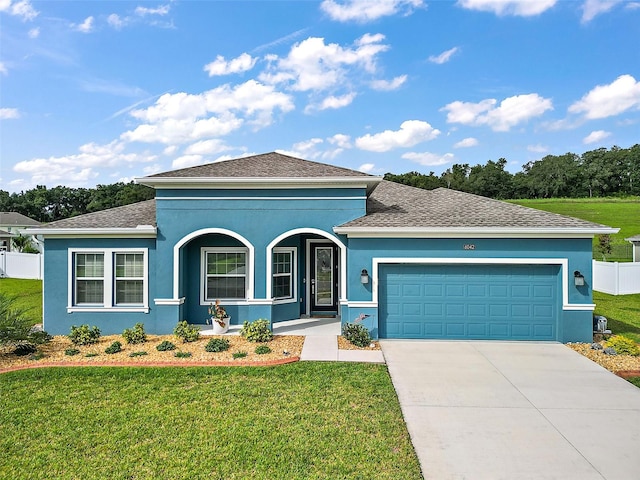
(626, 374)
(187, 363)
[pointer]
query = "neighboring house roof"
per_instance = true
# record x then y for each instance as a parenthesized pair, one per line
(634, 239)
(6, 234)
(405, 209)
(136, 219)
(17, 219)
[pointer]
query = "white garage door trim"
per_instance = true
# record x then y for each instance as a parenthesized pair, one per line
(563, 262)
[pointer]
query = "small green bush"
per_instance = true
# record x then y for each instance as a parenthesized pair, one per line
(357, 334)
(262, 349)
(37, 356)
(623, 345)
(84, 335)
(23, 349)
(135, 334)
(93, 354)
(239, 354)
(258, 331)
(217, 345)
(138, 354)
(115, 347)
(71, 352)
(165, 346)
(39, 337)
(182, 354)
(187, 333)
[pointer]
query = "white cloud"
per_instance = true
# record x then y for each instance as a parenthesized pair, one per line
(21, 8)
(34, 32)
(363, 11)
(170, 150)
(9, 113)
(114, 20)
(511, 111)
(632, 6)
(429, 159)
(86, 26)
(333, 102)
(466, 143)
(596, 136)
(593, 8)
(77, 169)
(3, 69)
(366, 167)
(444, 57)
(206, 147)
(314, 65)
(187, 161)
(161, 10)
(411, 133)
(537, 148)
(240, 64)
(341, 140)
(520, 8)
(608, 100)
(180, 118)
(388, 85)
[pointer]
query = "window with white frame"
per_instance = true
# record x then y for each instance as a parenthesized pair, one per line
(108, 279)
(283, 273)
(224, 273)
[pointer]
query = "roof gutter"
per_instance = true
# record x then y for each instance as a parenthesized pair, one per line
(141, 231)
(475, 232)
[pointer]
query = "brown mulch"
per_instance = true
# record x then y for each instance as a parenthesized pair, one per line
(344, 344)
(54, 353)
(619, 364)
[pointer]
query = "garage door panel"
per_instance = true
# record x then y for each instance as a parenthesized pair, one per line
(469, 301)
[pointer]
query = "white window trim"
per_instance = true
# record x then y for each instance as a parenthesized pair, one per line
(293, 274)
(203, 274)
(109, 281)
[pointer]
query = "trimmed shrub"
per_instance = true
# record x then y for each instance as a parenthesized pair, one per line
(39, 337)
(115, 347)
(262, 349)
(258, 331)
(25, 348)
(135, 334)
(37, 356)
(182, 354)
(165, 346)
(138, 354)
(187, 333)
(92, 354)
(239, 354)
(217, 345)
(84, 335)
(71, 352)
(357, 334)
(623, 345)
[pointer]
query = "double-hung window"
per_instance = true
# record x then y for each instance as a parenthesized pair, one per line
(224, 273)
(115, 279)
(283, 273)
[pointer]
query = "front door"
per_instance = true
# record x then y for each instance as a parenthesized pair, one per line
(323, 270)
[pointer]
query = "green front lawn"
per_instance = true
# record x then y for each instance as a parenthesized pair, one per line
(622, 312)
(28, 295)
(303, 420)
(635, 381)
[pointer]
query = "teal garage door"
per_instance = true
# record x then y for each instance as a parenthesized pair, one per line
(514, 302)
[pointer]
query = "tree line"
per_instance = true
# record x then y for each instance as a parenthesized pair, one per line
(50, 204)
(597, 173)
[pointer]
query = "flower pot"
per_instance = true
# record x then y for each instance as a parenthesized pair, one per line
(217, 329)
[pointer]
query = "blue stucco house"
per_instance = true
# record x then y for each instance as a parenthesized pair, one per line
(282, 238)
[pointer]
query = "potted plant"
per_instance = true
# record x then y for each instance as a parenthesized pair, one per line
(218, 318)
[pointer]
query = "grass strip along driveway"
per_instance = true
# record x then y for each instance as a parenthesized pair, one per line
(304, 420)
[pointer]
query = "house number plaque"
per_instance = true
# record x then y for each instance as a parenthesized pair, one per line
(469, 246)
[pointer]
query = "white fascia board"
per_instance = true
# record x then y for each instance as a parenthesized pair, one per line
(141, 231)
(466, 232)
(251, 182)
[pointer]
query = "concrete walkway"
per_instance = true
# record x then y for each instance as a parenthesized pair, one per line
(514, 410)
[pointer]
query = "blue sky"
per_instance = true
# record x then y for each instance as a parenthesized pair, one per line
(98, 92)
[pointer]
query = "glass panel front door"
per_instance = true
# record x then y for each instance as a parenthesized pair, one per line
(323, 278)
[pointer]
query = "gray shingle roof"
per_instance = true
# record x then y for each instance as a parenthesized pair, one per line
(267, 165)
(396, 205)
(128, 216)
(17, 219)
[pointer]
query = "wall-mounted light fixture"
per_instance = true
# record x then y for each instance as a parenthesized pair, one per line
(578, 278)
(364, 276)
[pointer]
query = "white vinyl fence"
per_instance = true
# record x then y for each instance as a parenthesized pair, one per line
(616, 278)
(21, 265)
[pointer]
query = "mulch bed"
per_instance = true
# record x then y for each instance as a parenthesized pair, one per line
(614, 363)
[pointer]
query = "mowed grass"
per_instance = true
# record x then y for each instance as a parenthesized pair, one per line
(304, 420)
(622, 312)
(622, 213)
(28, 294)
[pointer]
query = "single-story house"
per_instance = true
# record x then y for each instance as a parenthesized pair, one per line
(5, 241)
(635, 242)
(281, 238)
(13, 224)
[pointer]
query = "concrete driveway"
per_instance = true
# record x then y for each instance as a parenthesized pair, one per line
(514, 410)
